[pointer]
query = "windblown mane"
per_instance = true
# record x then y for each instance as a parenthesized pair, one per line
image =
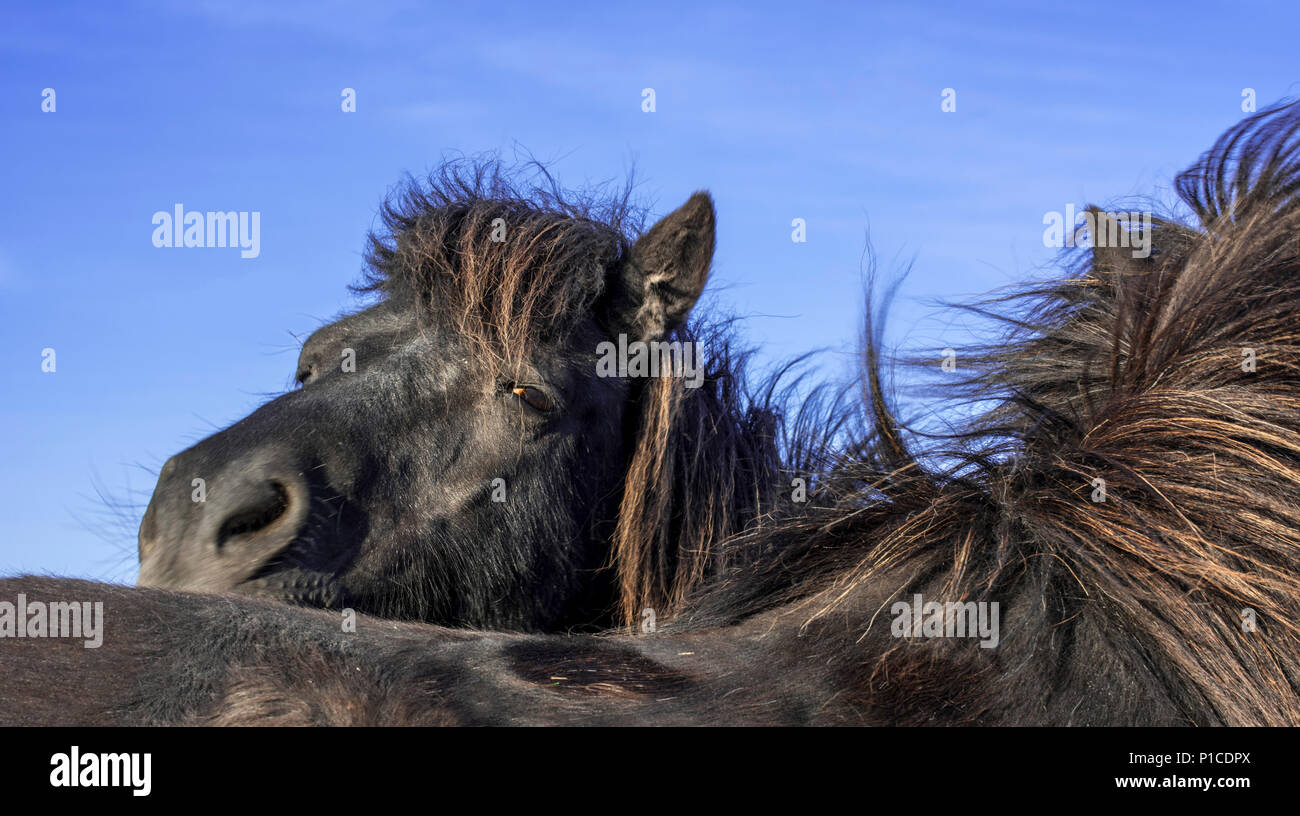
(511, 263)
(514, 260)
(1171, 384)
(1132, 371)
(1127, 494)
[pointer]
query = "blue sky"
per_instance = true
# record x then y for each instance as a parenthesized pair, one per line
(830, 113)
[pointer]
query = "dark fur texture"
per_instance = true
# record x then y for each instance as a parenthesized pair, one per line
(1125, 611)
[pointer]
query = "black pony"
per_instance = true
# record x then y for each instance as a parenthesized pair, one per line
(458, 453)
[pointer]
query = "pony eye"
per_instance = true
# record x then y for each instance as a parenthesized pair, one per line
(534, 397)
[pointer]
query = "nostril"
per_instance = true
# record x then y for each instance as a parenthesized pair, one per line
(256, 516)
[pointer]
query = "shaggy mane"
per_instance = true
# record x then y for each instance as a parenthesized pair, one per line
(510, 257)
(1130, 371)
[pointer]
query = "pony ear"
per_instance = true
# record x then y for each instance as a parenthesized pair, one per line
(665, 271)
